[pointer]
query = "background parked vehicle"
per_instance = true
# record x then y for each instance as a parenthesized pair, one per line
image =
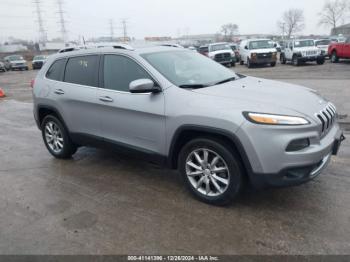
(323, 44)
(257, 51)
(38, 61)
(2, 67)
(235, 49)
(204, 50)
(222, 53)
(15, 62)
(339, 50)
(301, 51)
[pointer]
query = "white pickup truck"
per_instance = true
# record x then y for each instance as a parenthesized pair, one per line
(258, 51)
(301, 51)
(222, 53)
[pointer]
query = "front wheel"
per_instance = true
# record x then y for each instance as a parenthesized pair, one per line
(283, 59)
(249, 65)
(273, 64)
(295, 61)
(334, 57)
(56, 138)
(211, 172)
(320, 61)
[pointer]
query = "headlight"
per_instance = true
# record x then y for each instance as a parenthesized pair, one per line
(269, 119)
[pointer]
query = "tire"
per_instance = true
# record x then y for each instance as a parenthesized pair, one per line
(273, 64)
(295, 61)
(320, 61)
(227, 184)
(233, 64)
(62, 147)
(334, 57)
(249, 65)
(283, 59)
(241, 62)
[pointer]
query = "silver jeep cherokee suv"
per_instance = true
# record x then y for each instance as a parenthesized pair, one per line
(179, 108)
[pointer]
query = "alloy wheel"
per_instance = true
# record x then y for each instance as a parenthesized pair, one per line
(207, 172)
(54, 137)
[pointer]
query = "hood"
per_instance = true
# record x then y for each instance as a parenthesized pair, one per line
(18, 61)
(264, 50)
(267, 96)
(221, 52)
(307, 48)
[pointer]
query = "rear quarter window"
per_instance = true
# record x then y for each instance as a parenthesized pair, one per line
(82, 70)
(56, 70)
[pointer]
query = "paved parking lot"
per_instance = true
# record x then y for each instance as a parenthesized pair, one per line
(103, 203)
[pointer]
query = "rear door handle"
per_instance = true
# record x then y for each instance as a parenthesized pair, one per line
(59, 92)
(106, 99)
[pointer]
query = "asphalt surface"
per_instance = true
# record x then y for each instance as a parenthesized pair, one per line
(103, 203)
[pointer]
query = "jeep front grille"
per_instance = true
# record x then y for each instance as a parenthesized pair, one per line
(327, 117)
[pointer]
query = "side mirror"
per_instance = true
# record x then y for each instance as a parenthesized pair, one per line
(143, 86)
(246, 47)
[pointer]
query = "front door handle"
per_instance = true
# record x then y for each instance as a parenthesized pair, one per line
(59, 92)
(106, 99)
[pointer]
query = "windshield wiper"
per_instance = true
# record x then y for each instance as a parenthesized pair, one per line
(225, 81)
(193, 86)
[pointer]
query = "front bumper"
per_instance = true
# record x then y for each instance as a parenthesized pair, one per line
(19, 66)
(310, 58)
(263, 60)
(272, 165)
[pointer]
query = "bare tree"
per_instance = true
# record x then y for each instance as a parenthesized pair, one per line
(229, 30)
(333, 13)
(292, 21)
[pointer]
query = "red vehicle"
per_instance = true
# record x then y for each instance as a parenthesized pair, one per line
(339, 50)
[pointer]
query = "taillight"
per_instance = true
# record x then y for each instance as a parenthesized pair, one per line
(32, 82)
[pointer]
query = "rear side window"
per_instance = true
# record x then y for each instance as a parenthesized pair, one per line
(120, 71)
(82, 70)
(55, 72)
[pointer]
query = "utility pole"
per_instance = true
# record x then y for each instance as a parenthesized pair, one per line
(111, 27)
(62, 21)
(125, 32)
(42, 32)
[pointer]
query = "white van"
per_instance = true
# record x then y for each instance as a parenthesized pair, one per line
(258, 51)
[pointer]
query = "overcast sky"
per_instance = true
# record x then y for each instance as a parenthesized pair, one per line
(90, 18)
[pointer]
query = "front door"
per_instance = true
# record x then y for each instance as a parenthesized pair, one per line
(132, 120)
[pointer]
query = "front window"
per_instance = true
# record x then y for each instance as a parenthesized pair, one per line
(323, 42)
(185, 68)
(219, 47)
(15, 58)
(261, 44)
(304, 43)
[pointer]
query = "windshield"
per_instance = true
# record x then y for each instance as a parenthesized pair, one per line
(261, 44)
(39, 57)
(323, 42)
(304, 43)
(186, 68)
(218, 47)
(204, 49)
(15, 57)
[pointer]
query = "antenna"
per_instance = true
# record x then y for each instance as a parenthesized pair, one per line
(42, 31)
(62, 21)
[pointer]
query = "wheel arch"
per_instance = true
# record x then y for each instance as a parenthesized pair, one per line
(45, 110)
(186, 133)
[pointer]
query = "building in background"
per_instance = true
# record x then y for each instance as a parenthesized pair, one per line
(341, 30)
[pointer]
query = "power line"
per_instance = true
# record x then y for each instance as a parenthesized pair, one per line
(62, 21)
(111, 27)
(42, 31)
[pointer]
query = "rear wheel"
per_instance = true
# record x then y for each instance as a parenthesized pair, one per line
(334, 57)
(211, 172)
(56, 138)
(283, 59)
(273, 64)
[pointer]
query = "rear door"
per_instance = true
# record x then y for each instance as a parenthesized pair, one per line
(134, 120)
(76, 95)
